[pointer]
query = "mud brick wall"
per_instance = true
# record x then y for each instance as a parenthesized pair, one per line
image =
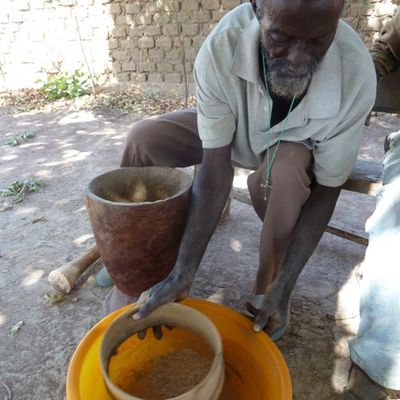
(367, 19)
(124, 40)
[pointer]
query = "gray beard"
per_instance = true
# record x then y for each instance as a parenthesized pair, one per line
(289, 87)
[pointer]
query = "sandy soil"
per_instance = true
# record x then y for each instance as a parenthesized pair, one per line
(51, 227)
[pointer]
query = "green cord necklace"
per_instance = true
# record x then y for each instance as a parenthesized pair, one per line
(267, 185)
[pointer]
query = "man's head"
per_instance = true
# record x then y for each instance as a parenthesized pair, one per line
(295, 35)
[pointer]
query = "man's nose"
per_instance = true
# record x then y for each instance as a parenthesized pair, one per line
(298, 54)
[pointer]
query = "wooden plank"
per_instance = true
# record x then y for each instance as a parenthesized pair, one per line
(347, 235)
(366, 177)
(243, 196)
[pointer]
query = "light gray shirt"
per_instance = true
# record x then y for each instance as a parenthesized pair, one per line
(233, 106)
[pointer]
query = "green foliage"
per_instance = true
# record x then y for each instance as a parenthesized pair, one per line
(17, 140)
(15, 188)
(75, 85)
(17, 191)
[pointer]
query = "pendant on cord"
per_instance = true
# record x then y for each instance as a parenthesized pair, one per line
(267, 185)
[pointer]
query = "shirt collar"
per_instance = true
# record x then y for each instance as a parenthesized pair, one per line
(246, 50)
(324, 93)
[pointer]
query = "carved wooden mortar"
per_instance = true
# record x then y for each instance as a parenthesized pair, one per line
(138, 215)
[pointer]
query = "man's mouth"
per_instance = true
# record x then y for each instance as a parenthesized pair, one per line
(293, 75)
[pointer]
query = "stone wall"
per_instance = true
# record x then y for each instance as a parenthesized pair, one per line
(124, 40)
(367, 19)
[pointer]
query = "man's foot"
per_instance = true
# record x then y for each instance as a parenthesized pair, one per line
(103, 278)
(116, 299)
(362, 387)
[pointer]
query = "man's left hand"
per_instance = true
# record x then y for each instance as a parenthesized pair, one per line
(271, 312)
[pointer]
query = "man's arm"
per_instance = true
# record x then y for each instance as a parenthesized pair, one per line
(313, 219)
(210, 191)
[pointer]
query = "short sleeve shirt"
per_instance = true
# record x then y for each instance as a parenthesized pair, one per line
(233, 105)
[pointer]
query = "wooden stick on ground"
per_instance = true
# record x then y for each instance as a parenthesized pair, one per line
(65, 277)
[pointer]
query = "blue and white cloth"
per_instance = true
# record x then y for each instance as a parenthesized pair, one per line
(376, 348)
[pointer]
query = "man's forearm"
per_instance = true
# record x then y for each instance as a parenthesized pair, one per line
(210, 192)
(313, 219)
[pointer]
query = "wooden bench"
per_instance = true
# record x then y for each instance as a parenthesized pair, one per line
(365, 178)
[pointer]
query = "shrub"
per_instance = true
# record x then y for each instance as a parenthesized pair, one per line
(74, 85)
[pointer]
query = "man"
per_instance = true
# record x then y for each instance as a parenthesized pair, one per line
(283, 88)
(375, 351)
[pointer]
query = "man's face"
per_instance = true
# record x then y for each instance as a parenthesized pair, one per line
(295, 35)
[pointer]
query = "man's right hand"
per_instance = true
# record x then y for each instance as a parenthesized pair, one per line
(173, 288)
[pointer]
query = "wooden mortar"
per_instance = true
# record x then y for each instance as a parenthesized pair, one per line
(138, 215)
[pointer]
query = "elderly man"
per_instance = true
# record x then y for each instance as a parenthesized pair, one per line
(283, 88)
(375, 351)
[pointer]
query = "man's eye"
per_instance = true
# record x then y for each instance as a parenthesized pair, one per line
(321, 41)
(279, 37)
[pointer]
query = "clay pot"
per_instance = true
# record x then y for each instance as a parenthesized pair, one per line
(136, 353)
(138, 215)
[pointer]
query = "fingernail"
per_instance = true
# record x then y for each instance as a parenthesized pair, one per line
(136, 316)
(256, 328)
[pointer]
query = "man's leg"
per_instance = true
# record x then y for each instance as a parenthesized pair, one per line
(291, 179)
(169, 140)
(376, 348)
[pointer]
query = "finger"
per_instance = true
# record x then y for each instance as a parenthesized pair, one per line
(148, 304)
(142, 334)
(157, 332)
(147, 308)
(251, 309)
(260, 321)
(143, 298)
(137, 313)
(143, 311)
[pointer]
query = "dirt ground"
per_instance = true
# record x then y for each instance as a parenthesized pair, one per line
(51, 227)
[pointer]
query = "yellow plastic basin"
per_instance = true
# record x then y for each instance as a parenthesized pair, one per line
(254, 367)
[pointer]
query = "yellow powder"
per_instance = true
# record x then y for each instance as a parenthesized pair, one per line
(171, 375)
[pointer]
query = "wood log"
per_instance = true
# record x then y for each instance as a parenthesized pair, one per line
(65, 277)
